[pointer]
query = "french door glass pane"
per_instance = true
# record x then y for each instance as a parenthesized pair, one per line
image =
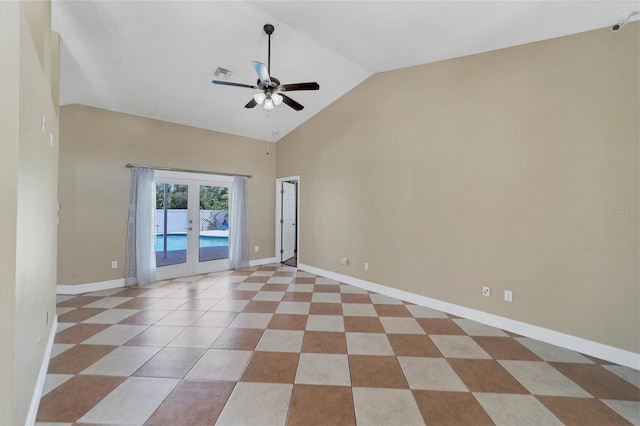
(214, 223)
(171, 224)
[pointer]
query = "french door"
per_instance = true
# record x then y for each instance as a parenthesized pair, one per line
(191, 223)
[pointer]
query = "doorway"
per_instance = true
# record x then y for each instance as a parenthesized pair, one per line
(192, 223)
(287, 235)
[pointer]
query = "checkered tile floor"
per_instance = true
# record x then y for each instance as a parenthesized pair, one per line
(273, 345)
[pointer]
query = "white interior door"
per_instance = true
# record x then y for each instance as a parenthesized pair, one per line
(288, 220)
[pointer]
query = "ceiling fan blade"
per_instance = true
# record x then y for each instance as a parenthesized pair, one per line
(228, 83)
(262, 71)
(299, 86)
(251, 103)
(293, 104)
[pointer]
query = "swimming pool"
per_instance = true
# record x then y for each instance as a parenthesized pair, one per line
(179, 242)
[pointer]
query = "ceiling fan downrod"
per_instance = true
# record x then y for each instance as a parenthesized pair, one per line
(269, 29)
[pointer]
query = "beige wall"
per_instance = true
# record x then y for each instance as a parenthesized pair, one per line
(28, 190)
(94, 182)
(494, 169)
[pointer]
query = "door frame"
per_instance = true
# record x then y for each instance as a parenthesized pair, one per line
(278, 254)
(193, 266)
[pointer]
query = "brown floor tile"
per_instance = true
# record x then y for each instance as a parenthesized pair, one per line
(271, 367)
(505, 348)
(79, 332)
(598, 360)
(274, 287)
(193, 403)
(77, 358)
(78, 301)
(288, 322)
(256, 279)
(581, 411)
(598, 381)
(392, 311)
(171, 363)
(376, 371)
(241, 295)
(326, 289)
(241, 272)
(131, 292)
(297, 296)
(486, 375)
(327, 342)
(355, 298)
(450, 408)
(325, 309)
(79, 315)
(268, 268)
(440, 326)
(321, 405)
(304, 280)
(138, 303)
(238, 338)
(259, 306)
(145, 317)
(413, 345)
(363, 325)
(72, 399)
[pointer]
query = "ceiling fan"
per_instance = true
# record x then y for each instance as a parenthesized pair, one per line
(271, 94)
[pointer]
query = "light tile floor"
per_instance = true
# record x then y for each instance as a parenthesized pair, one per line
(273, 345)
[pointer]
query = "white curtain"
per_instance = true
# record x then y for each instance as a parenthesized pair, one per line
(140, 267)
(238, 225)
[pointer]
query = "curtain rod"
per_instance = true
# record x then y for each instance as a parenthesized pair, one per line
(172, 169)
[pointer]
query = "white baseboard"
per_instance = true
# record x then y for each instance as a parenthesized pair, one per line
(578, 344)
(42, 375)
(265, 261)
(89, 287)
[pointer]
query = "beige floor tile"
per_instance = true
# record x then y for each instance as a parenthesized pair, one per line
(108, 302)
(251, 320)
(117, 334)
(269, 404)
(323, 369)
(430, 374)
(350, 289)
(281, 341)
(197, 337)
(508, 409)
(269, 296)
(368, 344)
(300, 308)
(552, 353)
(123, 361)
(156, 335)
(377, 406)
(424, 312)
(458, 347)
(398, 325)
(473, 328)
(52, 381)
(386, 300)
(166, 304)
(220, 364)
(180, 318)
(229, 306)
(630, 410)
(358, 310)
(132, 402)
(325, 323)
(215, 319)
(326, 298)
(542, 379)
(629, 374)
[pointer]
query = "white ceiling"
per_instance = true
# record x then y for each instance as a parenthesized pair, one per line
(156, 59)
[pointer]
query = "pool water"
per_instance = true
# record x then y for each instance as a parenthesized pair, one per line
(179, 242)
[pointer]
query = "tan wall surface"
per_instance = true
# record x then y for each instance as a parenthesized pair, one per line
(94, 183)
(499, 169)
(29, 198)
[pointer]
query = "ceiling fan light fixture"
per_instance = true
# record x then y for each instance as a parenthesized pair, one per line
(259, 98)
(268, 103)
(277, 99)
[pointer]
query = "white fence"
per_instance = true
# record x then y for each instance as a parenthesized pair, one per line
(177, 220)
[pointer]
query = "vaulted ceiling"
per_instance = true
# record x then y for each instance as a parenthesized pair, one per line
(156, 59)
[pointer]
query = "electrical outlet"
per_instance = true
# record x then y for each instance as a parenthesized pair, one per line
(114, 264)
(366, 266)
(486, 291)
(343, 261)
(508, 295)
(256, 248)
